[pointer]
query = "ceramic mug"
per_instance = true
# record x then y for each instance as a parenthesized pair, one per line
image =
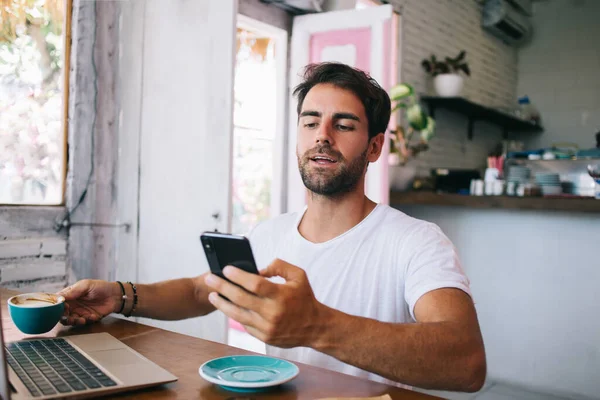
(35, 313)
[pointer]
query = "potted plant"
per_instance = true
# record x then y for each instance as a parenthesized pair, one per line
(447, 78)
(405, 144)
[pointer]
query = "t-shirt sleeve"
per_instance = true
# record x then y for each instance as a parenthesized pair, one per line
(434, 264)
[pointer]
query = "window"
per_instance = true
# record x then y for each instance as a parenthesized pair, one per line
(258, 119)
(258, 136)
(32, 101)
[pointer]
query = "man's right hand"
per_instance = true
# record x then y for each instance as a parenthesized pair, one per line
(90, 300)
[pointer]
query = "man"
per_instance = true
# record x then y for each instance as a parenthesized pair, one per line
(368, 290)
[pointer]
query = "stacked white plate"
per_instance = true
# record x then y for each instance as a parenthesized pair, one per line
(549, 183)
(518, 174)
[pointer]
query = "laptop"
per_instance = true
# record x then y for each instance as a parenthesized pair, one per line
(88, 365)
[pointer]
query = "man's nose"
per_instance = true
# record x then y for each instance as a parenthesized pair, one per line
(324, 134)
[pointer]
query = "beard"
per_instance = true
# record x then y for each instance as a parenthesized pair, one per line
(327, 181)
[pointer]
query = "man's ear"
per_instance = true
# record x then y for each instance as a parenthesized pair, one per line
(375, 147)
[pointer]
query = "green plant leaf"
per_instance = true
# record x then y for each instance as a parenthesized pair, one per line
(417, 119)
(401, 91)
(426, 64)
(451, 64)
(399, 106)
(465, 68)
(429, 131)
(442, 68)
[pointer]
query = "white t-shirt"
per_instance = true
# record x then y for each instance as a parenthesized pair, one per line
(378, 269)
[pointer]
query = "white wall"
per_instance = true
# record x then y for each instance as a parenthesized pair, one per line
(560, 71)
(266, 13)
(175, 141)
(534, 277)
(444, 28)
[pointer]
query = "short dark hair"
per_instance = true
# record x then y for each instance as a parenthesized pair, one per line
(375, 100)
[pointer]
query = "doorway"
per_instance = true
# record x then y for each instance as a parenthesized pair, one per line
(259, 123)
(258, 136)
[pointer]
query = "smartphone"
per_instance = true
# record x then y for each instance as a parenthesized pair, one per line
(223, 249)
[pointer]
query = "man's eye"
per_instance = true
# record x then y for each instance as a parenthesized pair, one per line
(310, 125)
(345, 128)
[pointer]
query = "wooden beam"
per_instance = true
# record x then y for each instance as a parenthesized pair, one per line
(82, 114)
(66, 74)
(93, 144)
(29, 221)
(131, 72)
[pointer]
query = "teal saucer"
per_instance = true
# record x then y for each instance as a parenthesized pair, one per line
(248, 373)
(247, 390)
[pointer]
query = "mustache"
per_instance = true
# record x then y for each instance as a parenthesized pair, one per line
(323, 150)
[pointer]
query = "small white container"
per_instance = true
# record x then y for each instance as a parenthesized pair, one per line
(498, 188)
(476, 187)
(448, 85)
(491, 174)
(511, 188)
(489, 188)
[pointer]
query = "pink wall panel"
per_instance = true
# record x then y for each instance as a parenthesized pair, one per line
(360, 38)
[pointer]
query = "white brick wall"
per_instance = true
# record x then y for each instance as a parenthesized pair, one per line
(443, 28)
(19, 248)
(32, 254)
(560, 71)
(32, 269)
(33, 263)
(38, 247)
(49, 285)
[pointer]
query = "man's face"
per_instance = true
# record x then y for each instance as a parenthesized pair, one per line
(333, 146)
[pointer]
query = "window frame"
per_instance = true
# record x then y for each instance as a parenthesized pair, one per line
(66, 79)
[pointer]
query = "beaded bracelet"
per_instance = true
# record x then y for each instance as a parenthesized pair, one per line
(135, 300)
(123, 297)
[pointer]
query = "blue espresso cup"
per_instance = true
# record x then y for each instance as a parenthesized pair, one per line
(35, 313)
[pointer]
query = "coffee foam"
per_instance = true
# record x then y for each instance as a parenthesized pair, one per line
(36, 301)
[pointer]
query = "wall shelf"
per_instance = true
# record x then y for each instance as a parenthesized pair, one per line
(586, 204)
(477, 112)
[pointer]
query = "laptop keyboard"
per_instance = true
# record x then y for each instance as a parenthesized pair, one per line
(53, 366)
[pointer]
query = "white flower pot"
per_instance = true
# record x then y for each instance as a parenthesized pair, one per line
(448, 85)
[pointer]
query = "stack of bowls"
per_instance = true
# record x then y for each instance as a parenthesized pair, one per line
(549, 182)
(518, 174)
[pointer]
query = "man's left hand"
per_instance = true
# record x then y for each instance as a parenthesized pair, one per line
(283, 315)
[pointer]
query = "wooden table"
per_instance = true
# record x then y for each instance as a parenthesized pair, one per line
(182, 355)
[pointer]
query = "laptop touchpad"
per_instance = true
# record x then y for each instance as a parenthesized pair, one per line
(116, 357)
